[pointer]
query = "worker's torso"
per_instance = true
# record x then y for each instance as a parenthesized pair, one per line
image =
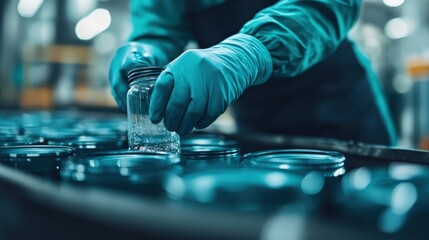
(332, 99)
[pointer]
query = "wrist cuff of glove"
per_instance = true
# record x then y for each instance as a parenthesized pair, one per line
(257, 53)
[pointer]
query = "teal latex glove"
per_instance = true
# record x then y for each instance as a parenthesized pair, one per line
(199, 85)
(127, 57)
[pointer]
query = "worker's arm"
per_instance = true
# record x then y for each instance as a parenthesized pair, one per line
(159, 35)
(301, 33)
(161, 25)
(282, 40)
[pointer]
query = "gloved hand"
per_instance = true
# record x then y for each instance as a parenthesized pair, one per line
(127, 57)
(199, 85)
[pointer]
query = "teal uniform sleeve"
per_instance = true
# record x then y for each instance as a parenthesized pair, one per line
(161, 25)
(300, 33)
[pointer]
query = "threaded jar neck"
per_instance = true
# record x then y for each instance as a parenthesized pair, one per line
(140, 73)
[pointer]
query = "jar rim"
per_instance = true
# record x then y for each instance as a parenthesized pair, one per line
(36, 151)
(113, 163)
(90, 142)
(296, 158)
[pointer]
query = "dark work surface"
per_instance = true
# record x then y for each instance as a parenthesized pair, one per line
(39, 208)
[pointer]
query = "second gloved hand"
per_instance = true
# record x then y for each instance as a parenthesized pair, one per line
(199, 85)
(127, 57)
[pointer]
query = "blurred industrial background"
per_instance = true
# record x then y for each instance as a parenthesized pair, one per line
(56, 53)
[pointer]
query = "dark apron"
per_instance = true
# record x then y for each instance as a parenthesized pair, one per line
(332, 99)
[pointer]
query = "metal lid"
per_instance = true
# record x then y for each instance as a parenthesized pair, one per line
(295, 159)
(35, 151)
(121, 163)
(143, 72)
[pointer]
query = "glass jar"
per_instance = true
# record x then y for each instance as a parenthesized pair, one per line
(241, 188)
(323, 171)
(143, 135)
(128, 171)
(201, 138)
(38, 160)
(394, 198)
(329, 163)
(204, 152)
